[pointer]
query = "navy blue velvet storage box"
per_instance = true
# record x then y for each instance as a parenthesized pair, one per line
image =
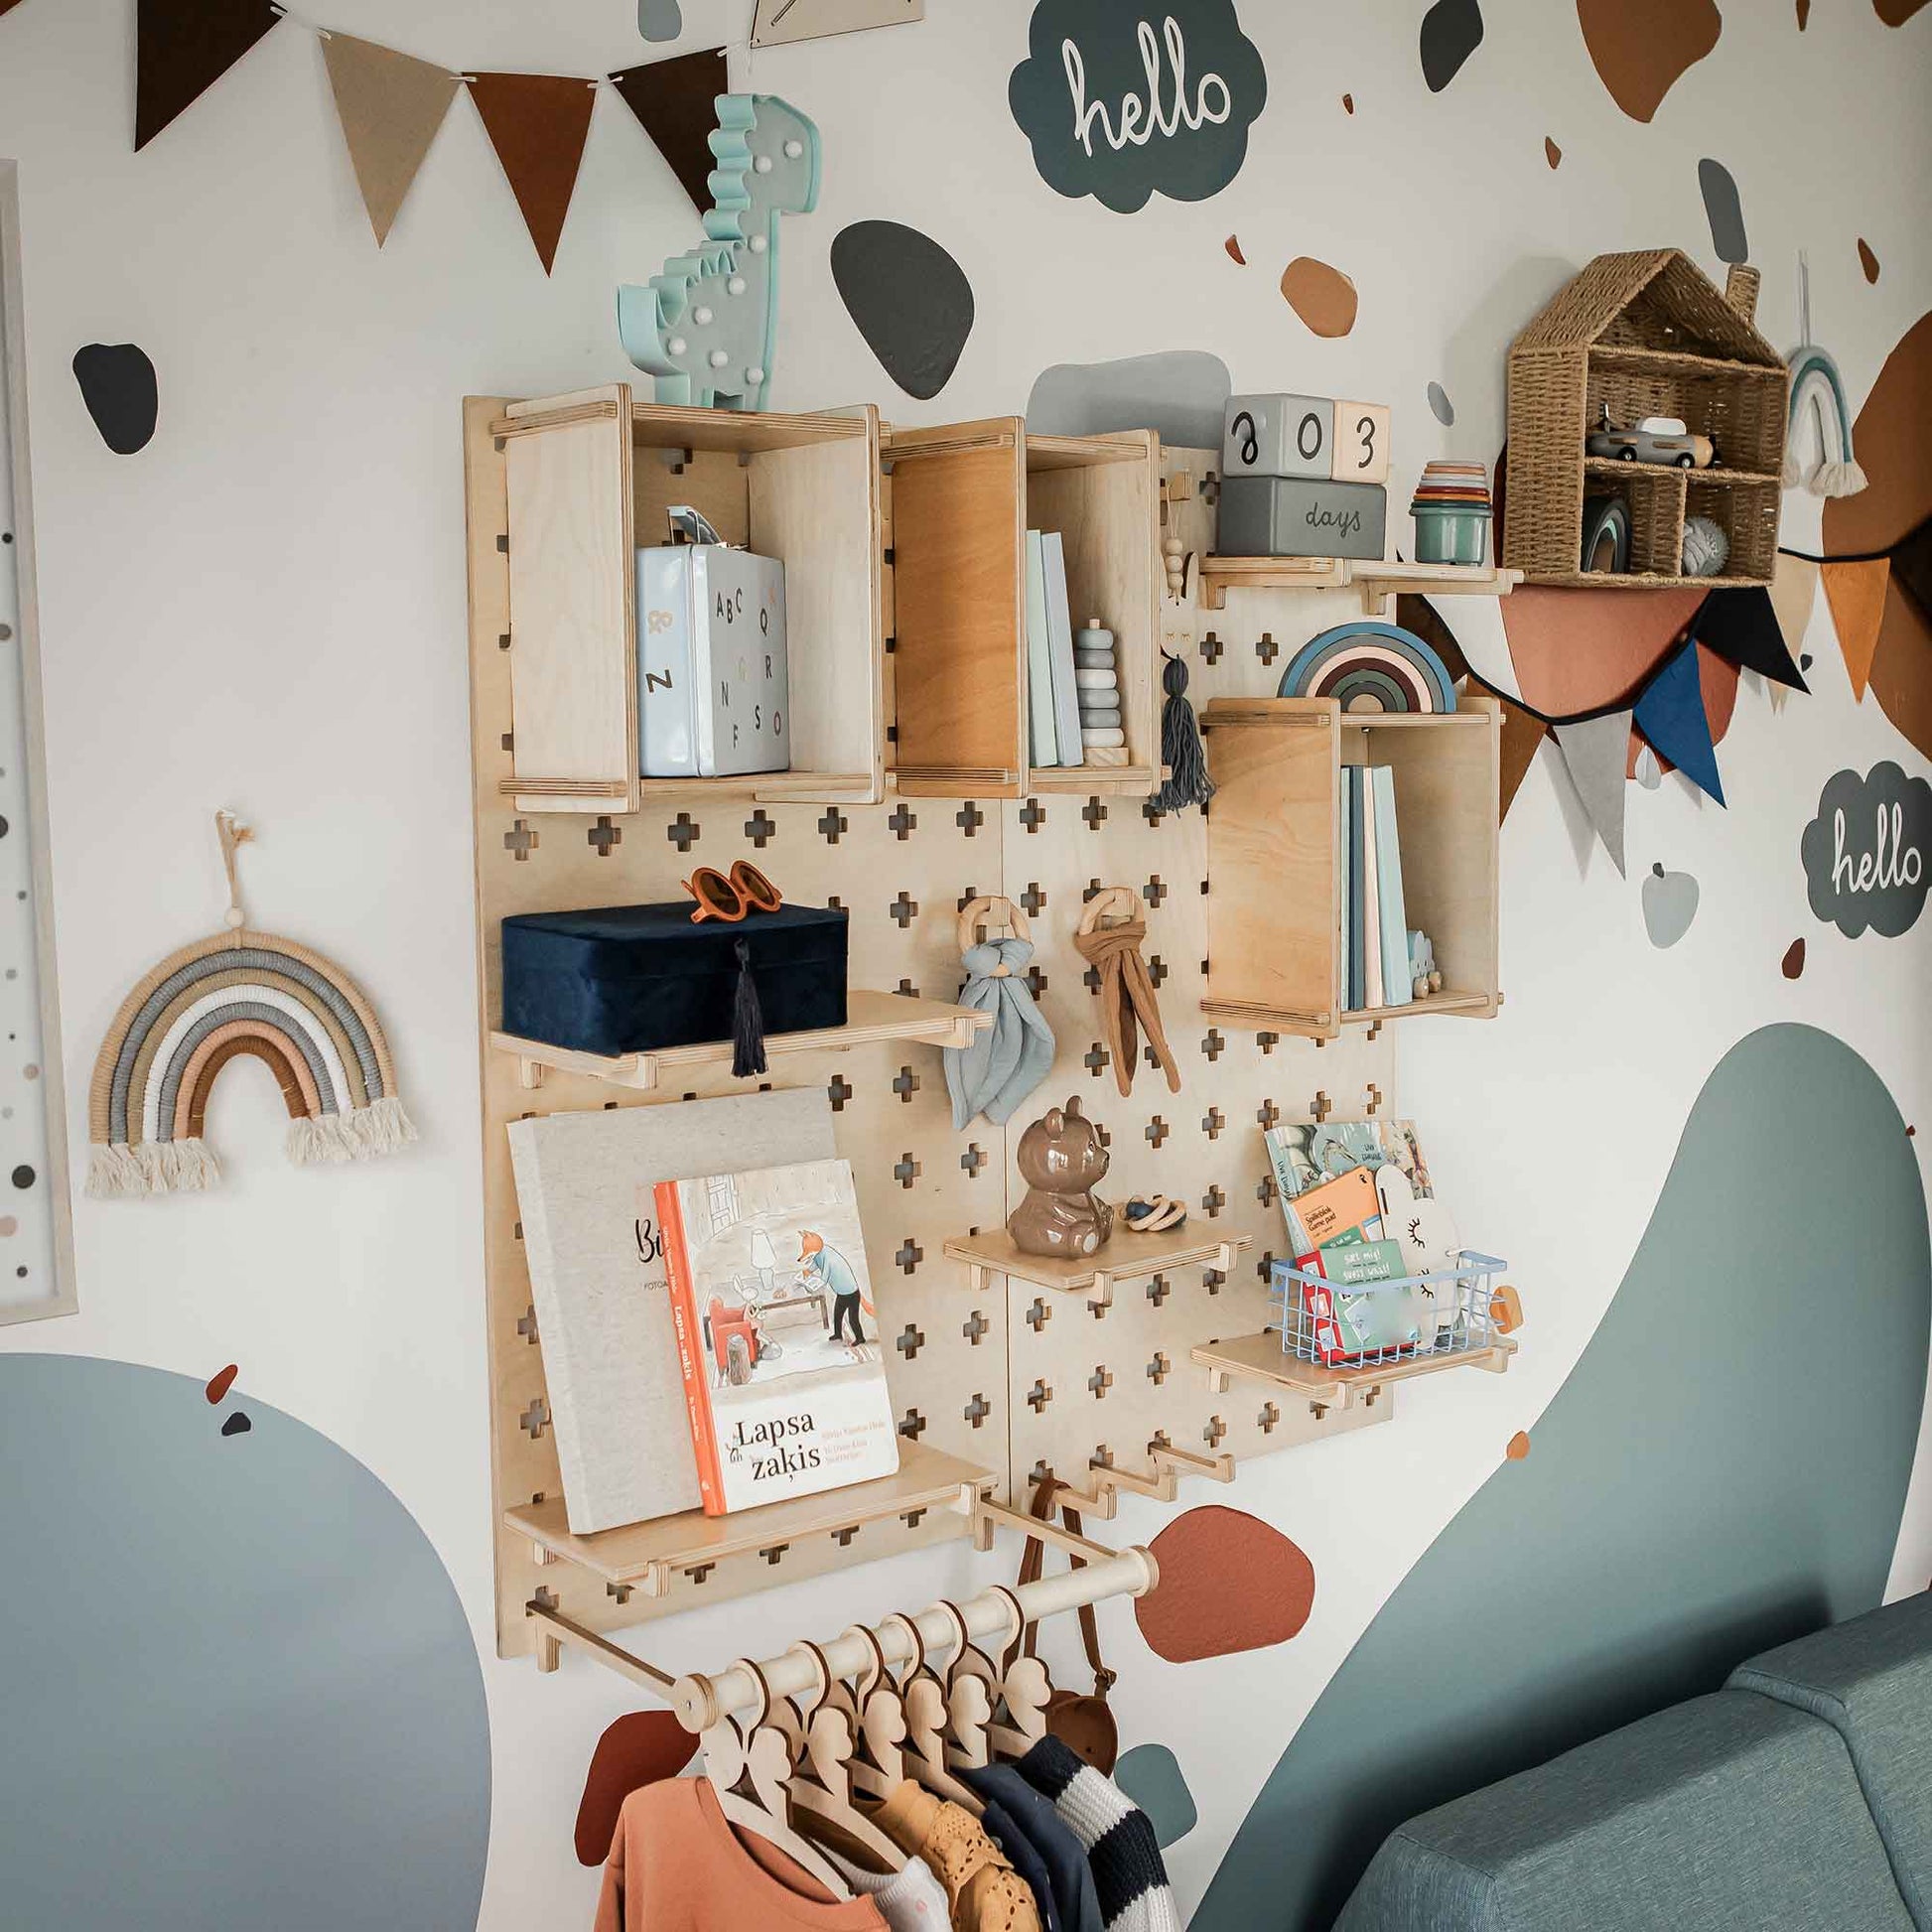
(629, 979)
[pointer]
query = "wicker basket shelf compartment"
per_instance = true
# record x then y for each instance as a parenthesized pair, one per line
(1637, 336)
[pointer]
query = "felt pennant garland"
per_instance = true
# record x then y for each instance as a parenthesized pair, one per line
(390, 106)
(1856, 591)
(538, 124)
(1596, 752)
(1743, 626)
(1670, 715)
(674, 102)
(183, 47)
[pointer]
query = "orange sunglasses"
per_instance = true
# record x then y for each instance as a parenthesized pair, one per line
(731, 897)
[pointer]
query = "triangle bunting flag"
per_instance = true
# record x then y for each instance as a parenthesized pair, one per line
(538, 124)
(1670, 715)
(1523, 737)
(390, 106)
(1857, 595)
(1596, 752)
(1743, 626)
(183, 47)
(675, 102)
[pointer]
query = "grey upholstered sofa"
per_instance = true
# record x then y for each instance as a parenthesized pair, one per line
(1796, 1799)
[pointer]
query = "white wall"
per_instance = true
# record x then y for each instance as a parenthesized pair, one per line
(265, 610)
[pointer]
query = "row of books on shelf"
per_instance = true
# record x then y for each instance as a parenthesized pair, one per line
(707, 1321)
(1376, 968)
(1073, 703)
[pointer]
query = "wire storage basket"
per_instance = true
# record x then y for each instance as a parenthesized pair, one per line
(1368, 1324)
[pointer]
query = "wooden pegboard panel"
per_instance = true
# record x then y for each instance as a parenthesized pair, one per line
(962, 1365)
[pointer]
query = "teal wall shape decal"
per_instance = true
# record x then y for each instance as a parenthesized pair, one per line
(1121, 101)
(1723, 1469)
(706, 328)
(1150, 1775)
(247, 1693)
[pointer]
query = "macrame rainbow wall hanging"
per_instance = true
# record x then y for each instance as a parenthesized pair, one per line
(239, 994)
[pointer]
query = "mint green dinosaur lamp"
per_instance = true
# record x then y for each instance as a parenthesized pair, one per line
(706, 328)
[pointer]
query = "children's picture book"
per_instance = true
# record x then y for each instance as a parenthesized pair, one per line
(777, 1340)
(1305, 1153)
(1345, 1210)
(1350, 1264)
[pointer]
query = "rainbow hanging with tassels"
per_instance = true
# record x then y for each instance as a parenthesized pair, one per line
(1818, 397)
(239, 994)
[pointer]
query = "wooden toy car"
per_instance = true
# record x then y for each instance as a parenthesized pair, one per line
(1657, 439)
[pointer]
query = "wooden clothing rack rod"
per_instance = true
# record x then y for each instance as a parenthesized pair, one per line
(702, 1701)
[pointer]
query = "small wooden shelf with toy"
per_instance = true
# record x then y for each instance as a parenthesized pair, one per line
(565, 490)
(941, 1492)
(1260, 1359)
(1122, 1258)
(961, 501)
(1275, 852)
(870, 1016)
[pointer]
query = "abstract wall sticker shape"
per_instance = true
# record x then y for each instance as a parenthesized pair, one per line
(1868, 261)
(1440, 405)
(1120, 103)
(1724, 210)
(1670, 903)
(182, 47)
(1689, 1560)
(1451, 30)
(1323, 297)
(778, 21)
(909, 300)
(639, 1749)
(1792, 965)
(1152, 1777)
(706, 327)
(1228, 1583)
(1896, 456)
(1895, 12)
(1643, 47)
(122, 394)
(1551, 153)
(673, 101)
(321, 1756)
(1180, 394)
(1517, 1448)
(538, 124)
(1867, 853)
(390, 106)
(660, 20)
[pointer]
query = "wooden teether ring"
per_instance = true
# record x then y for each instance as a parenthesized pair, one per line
(1116, 903)
(991, 909)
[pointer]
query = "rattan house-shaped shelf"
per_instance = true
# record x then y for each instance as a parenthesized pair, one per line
(1645, 334)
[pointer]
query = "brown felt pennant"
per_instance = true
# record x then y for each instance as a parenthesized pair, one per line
(183, 47)
(1856, 594)
(675, 102)
(390, 105)
(1522, 738)
(537, 123)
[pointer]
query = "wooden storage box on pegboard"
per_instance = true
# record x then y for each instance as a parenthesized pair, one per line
(1644, 335)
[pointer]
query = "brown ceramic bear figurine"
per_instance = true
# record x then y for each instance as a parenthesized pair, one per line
(1060, 1161)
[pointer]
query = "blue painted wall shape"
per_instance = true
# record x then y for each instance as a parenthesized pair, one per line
(1725, 1469)
(247, 1695)
(706, 328)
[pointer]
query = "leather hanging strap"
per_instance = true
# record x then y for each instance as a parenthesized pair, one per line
(1033, 1560)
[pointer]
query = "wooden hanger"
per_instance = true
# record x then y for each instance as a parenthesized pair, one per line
(1025, 1689)
(826, 1794)
(991, 910)
(924, 1699)
(755, 1754)
(972, 1685)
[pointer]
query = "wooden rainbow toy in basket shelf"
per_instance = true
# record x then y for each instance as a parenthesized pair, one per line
(237, 994)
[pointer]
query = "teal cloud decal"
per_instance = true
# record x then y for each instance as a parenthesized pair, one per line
(1865, 851)
(1723, 1469)
(1124, 102)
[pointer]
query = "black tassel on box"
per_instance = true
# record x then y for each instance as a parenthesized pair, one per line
(1181, 750)
(748, 1019)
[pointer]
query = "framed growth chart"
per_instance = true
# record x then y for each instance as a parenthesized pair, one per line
(35, 1234)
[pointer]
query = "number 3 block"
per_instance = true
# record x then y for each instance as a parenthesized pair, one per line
(1279, 436)
(1361, 443)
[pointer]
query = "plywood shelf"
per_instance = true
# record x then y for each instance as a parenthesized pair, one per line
(870, 1016)
(1261, 1359)
(1125, 1258)
(651, 1557)
(1377, 582)
(1275, 856)
(1105, 780)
